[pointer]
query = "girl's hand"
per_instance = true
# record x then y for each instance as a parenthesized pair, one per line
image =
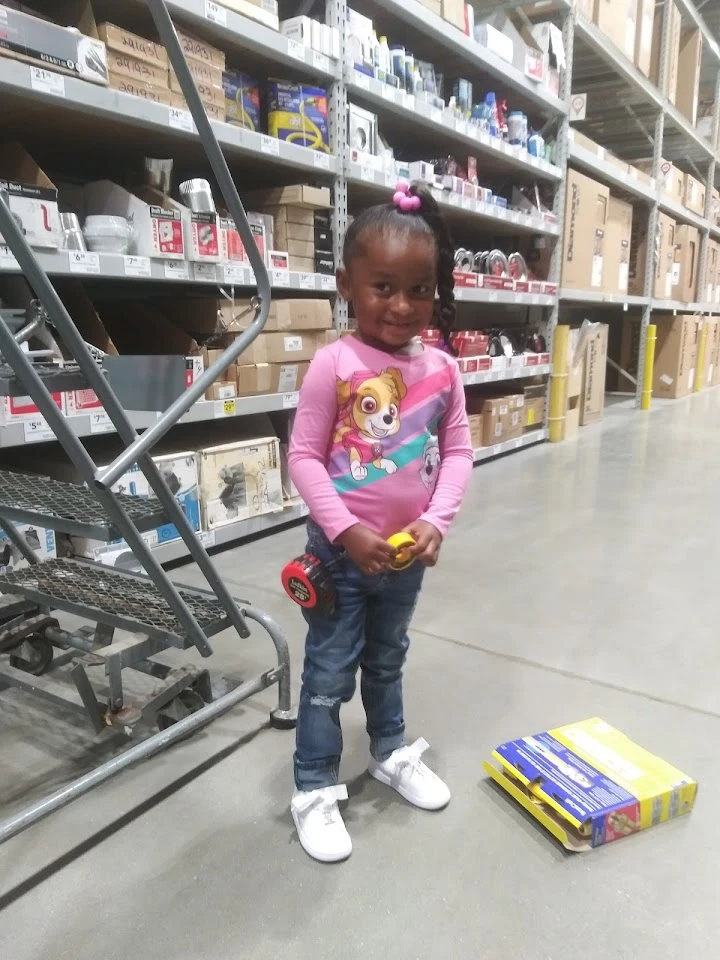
(428, 541)
(367, 549)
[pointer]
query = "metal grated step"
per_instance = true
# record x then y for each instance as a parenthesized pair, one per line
(103, 594)
(70, 508)
(56, 379)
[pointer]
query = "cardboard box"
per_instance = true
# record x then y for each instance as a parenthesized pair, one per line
(195, 49)
(671, 77)
(712, 346)
(716, 361)
(296, 195)
(675, 355)
(593, 394)
(286, 347)
(137, 70)
(644, 35)
(516, 414)
(137, 88)
(157, 224)
(706, 291)
(694, 194)
(688, 78)
(263, 378)
(687, 261)
(32, 197)
(586, 213)
(284, 315)
(617, 20)
(588, 784)
(475, 421)
(264, 11)
(454, 12)
(434, 6)
(204, 75)
(534, 415)
(495, 420)
(239, 481)
(223, 389)
(41, 542)
(122, 41)
(617, 246)
(665, 245)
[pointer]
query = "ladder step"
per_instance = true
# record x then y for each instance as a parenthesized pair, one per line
(105, 595)
(56, 379)
(70, 508)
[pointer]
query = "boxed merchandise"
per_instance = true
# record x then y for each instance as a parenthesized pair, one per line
(675, 355)
(232, 249)
(195, 49)
(283, 347)
(157, 221)
(222, 389)
(495, 413)
(665, 246)
(644, 35)
(592, 401)
(74, 49)
(534, 407)
(260, 378)
(298, 114)
(617, 20)
(516, 414)
(40, 541)
(122, 41)
(32, 197)
(688, 78)
(617, 246)
(293, 203)
(242, 100)
(201, 234)
(586, 213)
(671, 75)
(138, 88)
(712, 345)
(708, 282)
(694, 194)
(475, 421)
(14, 409)
(205, 76)
(284, 315)
(264, 11)
(240, 480)
(454, 12)
(122, 65)
(687, 260)
(588, 784)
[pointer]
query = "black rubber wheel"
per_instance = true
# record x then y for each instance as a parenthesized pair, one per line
(37, 655)
(283, 720)
(183, 705)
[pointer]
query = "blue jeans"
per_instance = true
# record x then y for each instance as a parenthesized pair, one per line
(367, 630)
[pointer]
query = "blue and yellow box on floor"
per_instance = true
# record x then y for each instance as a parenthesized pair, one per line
(242, 100)
(298, 114)
(588, 784)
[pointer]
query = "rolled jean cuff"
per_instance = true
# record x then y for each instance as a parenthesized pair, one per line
(316, 776)
(381, 747)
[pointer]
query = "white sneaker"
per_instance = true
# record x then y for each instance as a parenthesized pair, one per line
(319, 824)
(405, 772)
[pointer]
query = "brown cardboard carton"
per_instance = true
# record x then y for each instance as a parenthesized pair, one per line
(671, 179)
(434, 6)
(688, 78)
(284, 315)
(534, 415)
(222, 389)
(671, 77)
(261, 378)
(454, 12)
(202, 73)
(617, 247)
(475, 421)
(694, 194)
(137, 88)
(137, 70)
(586, 212)
(195, 49)
(593, 396)
(665, 240)
(644, 35)
(122, 41)
(706, 284)
(296, 195)
(617, 19)
(716, 361)
(516, 414)
(712, 343)
(495, 414)
(675, 355)
(285, 347)
(685, 267)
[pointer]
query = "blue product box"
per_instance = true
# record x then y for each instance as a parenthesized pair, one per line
(298, 113)
(242, 100)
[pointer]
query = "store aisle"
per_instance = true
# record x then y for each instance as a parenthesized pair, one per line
(580, 581)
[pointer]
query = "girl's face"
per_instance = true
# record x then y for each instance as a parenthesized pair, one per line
(391, 284)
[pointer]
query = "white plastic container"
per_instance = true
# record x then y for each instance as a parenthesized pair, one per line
(104, 234)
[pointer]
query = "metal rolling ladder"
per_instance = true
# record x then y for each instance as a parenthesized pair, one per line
(153, 612)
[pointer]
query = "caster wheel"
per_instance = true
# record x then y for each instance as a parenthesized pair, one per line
(183, 705)
(284, 719)
(34, 655)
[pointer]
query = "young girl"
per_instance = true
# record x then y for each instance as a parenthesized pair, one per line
(380, 445)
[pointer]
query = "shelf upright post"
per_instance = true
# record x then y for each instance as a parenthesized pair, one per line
(651, 258)
(710, 184)
(338, 104)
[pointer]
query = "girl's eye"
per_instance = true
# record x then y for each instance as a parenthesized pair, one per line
(393, 411)
(368, 405)
(421, 291)
(382, 288)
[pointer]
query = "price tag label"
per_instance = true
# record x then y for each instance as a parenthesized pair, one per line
(518, 443)
(270, 145)
(321, 160)
(454, 199)
(467, 203)
(46, 81)
(493, 296)
(205, 272)
(296, 50)
(207, 539)
(470, 378)
(225, 408)
(7, 260)
(390, 180)
(409, 101)
(306, 281)
(320, 61)
(362, 80)
(137, 267)
(328, 282)
(84, 262)
(461, 127)
(181, 120)
(436, 115)
(233, 273)
(100, 422)
(388, 93)
(176, 270)
(290, 400)
(216, 13)
(367, 174)
(280, 278)
(37, 430)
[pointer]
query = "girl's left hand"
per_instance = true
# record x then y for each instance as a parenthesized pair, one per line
(428, 541)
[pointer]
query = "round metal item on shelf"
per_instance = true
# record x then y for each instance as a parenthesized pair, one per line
(517, 267)
(496, 264)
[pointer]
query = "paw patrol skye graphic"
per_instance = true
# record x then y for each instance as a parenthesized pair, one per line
(431, 463)
(369, 416)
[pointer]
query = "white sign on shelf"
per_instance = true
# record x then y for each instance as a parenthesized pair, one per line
(296, 50)
(578, 106)
(36, 430)
(328, 282)
(176, 270)
(321, 160)
(367, 174)
(137, 267)
(216, 13)
(436, 115)
(280, 278)
(234, 273)
(388, 93)
(306, 281)
(290, 400)
(204, 272)
(81, 262)
(47, 81)
(320, 61)
(270, 145)
(207, 538)
(225, 408)
(362, 80)
(100, 422)
(180, 119)
(7, 260)
(468, 203)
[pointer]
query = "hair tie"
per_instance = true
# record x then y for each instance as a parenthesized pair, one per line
(404, 200)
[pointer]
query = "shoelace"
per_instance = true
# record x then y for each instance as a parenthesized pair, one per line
(409, 758)
(327, 798)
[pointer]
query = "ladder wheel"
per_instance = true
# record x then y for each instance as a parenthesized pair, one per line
(34, 657)
(183, 705)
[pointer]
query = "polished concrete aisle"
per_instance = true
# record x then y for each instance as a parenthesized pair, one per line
(580, 581)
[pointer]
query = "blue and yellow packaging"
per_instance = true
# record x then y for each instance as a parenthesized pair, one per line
(242, 100)
(298, 113)
(588, 784)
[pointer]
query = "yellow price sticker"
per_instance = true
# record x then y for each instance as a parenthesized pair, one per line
(229, 408)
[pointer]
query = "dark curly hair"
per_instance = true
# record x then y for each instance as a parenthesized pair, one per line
(427, 221)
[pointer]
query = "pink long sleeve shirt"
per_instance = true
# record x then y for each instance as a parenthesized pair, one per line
(381, 439)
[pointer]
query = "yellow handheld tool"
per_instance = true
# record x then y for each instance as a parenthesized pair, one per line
(402, 542)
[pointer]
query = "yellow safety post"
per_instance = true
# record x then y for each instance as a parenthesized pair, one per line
(702, 347)
(649, 367)
(558, 383)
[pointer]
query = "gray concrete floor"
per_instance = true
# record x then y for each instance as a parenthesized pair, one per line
(580, 581)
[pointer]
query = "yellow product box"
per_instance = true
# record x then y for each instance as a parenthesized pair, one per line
(588, 784)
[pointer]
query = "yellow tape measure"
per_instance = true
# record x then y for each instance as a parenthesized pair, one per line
(401, 542)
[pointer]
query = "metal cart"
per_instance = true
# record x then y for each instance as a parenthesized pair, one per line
(153, 613)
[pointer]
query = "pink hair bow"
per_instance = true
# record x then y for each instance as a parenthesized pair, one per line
(403, 199)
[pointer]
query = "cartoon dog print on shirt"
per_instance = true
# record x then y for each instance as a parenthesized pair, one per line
(431, 463)
(369, 416)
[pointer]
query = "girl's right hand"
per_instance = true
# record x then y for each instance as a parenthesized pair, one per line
(367, 549)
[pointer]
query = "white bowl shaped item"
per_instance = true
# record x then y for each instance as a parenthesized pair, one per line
(105, 234)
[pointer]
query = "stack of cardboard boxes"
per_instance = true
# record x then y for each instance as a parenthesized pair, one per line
(301, 225)
(495, 419)
(585, 398)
